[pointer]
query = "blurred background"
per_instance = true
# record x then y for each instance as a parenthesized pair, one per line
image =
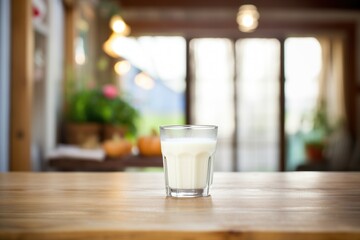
(85, 84)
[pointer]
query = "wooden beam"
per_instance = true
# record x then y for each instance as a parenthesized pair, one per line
(229, 28)
(268, 4)
(21, 85)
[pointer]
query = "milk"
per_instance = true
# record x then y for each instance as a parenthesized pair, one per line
(188, 162)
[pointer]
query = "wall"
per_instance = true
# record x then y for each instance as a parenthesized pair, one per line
(48, 91)
(4, 83)
(54, 74)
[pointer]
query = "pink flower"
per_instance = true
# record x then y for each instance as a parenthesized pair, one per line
(110, 91)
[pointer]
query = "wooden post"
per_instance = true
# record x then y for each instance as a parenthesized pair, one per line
(21, 85)
(282, 133)
(69, 60)
(70, 12)
(189, 85)
(235, 142)
(70, 15)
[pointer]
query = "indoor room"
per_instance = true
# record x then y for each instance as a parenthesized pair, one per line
(155, 117)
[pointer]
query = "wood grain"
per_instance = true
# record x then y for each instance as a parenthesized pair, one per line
(70, 14)
(109, 164)
(298, 205)
(21, 85)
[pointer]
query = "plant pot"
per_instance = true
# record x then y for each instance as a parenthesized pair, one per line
(82, 134)
(109, 131)
(314, 152)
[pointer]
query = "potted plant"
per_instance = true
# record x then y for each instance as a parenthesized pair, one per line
(99, 114)
(81, 128)
(117, 115)
(315, 140)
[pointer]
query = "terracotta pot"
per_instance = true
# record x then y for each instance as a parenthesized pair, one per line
(82, 133)
(314, 152)
(109, 131)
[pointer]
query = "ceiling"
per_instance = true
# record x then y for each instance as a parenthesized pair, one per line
(262, 4)
(217, 17)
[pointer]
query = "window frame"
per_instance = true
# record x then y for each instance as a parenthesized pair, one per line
(281, 31)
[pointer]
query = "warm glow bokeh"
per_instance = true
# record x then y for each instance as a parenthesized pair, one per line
(122, 67)
(118, 25)
(247, 18)
(144, 81)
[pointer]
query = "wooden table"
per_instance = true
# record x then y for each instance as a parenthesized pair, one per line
(109, 164)
(297, 205)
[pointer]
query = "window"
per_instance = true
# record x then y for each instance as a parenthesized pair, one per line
(212, 95)
(245, 102)
(258, 104)
(213, 99)
(234, 84)
(155, 82)
(303, 65)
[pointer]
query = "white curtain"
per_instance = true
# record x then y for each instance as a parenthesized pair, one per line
(332, 91)
(331, 84)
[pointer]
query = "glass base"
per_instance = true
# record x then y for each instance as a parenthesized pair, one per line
(187, 193)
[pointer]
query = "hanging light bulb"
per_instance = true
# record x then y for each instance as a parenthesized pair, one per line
(247, 18)
(114, 45)
(119, 26)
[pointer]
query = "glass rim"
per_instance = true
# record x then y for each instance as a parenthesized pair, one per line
(188, 126)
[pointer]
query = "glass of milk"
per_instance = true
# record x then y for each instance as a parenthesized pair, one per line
(188, 155)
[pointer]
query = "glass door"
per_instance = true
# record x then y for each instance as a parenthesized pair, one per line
(257, 105)
(245, 106)
(236, 85)
(212, 93)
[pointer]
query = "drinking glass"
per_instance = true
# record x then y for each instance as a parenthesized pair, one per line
(188, 156)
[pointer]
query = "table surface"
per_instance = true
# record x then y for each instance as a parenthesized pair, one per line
(296, 205)
(109, 164)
